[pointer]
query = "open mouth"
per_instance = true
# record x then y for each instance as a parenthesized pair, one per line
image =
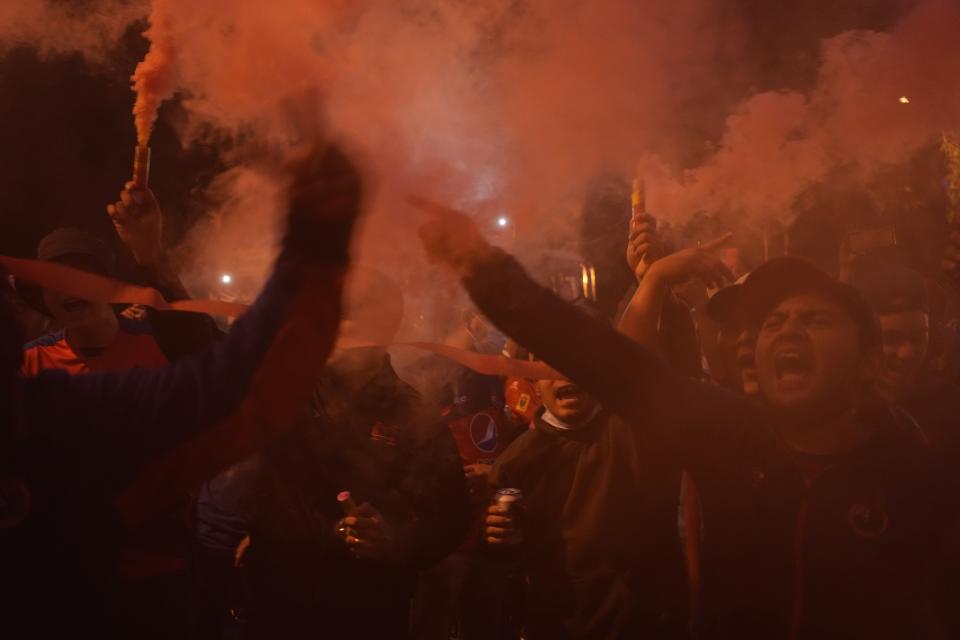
(568, 392)
(72, 305)
(792, 366)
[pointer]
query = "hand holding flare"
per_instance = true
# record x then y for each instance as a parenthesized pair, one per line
(643, 243)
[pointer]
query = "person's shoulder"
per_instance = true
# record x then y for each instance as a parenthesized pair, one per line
(524, 453)
(50, 351)
(47, 340)
(529, 439)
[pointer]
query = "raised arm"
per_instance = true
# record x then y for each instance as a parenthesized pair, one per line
(622, 375)
(255, 381)
(641, 319)
(138, 221)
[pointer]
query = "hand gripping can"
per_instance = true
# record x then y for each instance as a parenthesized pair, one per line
(512, 500)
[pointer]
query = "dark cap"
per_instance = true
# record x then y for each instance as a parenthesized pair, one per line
(725, 305)
(71, 247)
(780, 278)
(79, 248)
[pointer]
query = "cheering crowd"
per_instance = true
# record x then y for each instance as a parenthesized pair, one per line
(779, 462)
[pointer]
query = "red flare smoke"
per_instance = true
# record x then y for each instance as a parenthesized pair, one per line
(154, 79)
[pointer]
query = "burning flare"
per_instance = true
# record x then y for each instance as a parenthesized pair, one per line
(155, 78)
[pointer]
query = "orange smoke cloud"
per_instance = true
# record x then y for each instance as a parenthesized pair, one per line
(54, 27)
(509, 107)
(778, 144)
(504, 106)
(155, 78)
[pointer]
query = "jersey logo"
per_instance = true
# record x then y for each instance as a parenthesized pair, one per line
(15, 503)
(869, 520)
(483, 432)
(523, 402)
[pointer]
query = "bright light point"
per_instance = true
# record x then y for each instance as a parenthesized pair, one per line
(226, 278)
(904, 100)
(502, 221)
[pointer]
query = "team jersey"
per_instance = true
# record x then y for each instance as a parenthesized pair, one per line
(133, 346)
(480, 436)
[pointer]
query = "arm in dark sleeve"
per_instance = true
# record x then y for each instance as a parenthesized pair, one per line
(181, 333)
(623, 376)
(277, 348)
(178, 333)
(435, 481)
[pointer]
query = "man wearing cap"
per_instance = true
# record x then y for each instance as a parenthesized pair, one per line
(819, 505)
(93, 336)
(72, 444)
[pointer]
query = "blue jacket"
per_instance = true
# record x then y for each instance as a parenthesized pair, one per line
(71, 444)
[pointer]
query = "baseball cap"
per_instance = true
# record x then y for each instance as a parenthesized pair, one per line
(780, 278)
(71, 247)
(724, 305)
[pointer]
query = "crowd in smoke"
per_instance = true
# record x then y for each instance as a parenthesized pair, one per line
(663, 432)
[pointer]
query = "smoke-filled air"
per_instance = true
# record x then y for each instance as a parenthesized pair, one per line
(508, 109)
(480, 319)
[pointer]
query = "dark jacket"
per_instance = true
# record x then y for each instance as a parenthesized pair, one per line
(71, 444)
(846, 557)
(180, 333)
(600, 531)
(387, 448)
(935, 405)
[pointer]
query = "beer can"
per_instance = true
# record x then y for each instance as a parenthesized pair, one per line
(512, 500)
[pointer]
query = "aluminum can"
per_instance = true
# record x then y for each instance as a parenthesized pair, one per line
(512, 500)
